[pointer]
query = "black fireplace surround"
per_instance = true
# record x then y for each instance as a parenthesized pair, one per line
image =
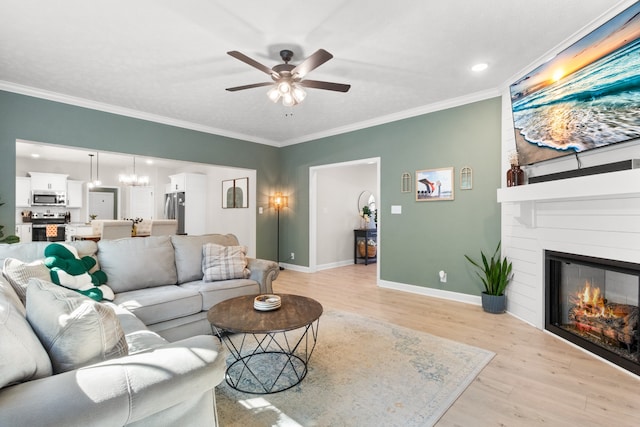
(593, 303)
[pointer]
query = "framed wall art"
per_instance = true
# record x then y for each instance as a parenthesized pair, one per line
(466, 178)
(405, 183)
(434, 184)
(235, 193)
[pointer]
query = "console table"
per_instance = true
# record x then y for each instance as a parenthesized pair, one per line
(370, 253)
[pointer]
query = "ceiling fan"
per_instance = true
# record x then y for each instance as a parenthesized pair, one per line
(288, 79)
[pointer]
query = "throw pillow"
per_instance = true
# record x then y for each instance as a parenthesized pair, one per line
(22, 357)
(74, 329)
(19, 272)
(224, 262)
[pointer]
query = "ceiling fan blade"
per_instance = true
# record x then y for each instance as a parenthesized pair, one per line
(233, 89)
(338, 87)
(255, 64)
(311, 63)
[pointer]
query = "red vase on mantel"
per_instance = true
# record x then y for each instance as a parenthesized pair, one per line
(515, 176)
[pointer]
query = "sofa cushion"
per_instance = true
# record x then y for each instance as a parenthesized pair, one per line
(215, 292)
(188, 253)
(139, 337)
(160, 303)
(224, 262)
(19, 272)
(137, 262)
(35, 250)
(22, 357)
(183, 327)
(74, 329)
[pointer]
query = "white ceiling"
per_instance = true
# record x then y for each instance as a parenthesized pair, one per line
(166, 60)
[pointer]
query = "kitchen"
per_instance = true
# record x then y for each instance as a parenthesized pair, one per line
(42, 168)
(49, 199)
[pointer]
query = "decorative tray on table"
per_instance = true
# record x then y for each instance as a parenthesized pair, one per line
(266, 302)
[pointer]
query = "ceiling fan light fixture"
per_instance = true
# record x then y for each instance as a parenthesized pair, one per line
(288, 100)
(274, 94)
(288, 78)
(284, 87)
(298, 94)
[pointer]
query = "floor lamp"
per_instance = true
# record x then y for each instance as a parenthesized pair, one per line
(278, 201)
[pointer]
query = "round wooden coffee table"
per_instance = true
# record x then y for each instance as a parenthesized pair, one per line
(270, 349)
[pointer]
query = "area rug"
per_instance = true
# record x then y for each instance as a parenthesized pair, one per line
(363, 372)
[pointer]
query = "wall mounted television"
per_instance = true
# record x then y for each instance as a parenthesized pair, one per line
(586, 97)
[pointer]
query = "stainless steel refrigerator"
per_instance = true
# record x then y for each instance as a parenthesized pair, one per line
(174, 208)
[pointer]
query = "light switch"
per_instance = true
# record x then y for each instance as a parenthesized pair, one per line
(260, 210)
(396, 209)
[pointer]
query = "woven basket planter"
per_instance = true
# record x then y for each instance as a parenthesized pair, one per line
(368, 251)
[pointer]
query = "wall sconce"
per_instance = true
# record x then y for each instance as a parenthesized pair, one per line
(278, 201)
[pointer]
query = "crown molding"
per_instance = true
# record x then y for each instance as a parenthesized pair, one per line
(414, 112)
(128, 112)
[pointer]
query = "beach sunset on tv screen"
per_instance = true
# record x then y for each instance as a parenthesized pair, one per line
(586, 97)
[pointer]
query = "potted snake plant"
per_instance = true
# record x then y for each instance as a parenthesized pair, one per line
(495, 273)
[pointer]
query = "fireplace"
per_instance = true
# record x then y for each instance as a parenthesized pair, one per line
(593, 303)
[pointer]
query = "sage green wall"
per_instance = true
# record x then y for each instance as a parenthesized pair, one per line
(428, 236)
(34, 119)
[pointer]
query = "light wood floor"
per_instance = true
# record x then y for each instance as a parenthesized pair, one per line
(534, 379)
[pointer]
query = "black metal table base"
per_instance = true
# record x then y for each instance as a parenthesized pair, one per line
(271, 362)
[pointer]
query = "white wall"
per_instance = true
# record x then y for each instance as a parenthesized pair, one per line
(337, 210)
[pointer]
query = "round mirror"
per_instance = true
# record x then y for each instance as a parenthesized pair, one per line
(366, 199)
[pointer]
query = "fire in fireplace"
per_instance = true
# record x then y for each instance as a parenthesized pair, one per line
(593, 303)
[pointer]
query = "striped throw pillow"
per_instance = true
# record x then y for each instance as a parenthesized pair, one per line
(224, 262)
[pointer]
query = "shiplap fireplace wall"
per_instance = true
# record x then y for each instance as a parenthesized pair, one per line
(597, 215)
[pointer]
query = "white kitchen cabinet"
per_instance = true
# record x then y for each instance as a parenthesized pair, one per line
(141, 202)
(178, 182)
(23, 192)
(187, 182)
(23, 231)
(74, 194)
(48, 181)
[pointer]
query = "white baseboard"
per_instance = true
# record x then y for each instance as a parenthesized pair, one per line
(300, 268)
(437, 293)
(334, 265)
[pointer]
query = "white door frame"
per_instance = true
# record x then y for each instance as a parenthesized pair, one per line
(313, 208)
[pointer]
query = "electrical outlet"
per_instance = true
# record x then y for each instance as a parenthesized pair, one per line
(443, 276)
(293, 255)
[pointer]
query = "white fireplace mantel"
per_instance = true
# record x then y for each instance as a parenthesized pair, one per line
(611, 184)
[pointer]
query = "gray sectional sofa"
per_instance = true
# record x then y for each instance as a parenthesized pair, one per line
(160, 280)
(155, 361)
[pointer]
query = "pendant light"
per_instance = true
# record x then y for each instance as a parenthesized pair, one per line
(90, 182)
(133, 179)
(94, 182)
(97, 182)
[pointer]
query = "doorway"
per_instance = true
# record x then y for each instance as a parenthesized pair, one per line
(103, 202)
(318, 210)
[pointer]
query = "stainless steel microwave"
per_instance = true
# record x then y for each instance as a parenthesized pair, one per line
(48, 198)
